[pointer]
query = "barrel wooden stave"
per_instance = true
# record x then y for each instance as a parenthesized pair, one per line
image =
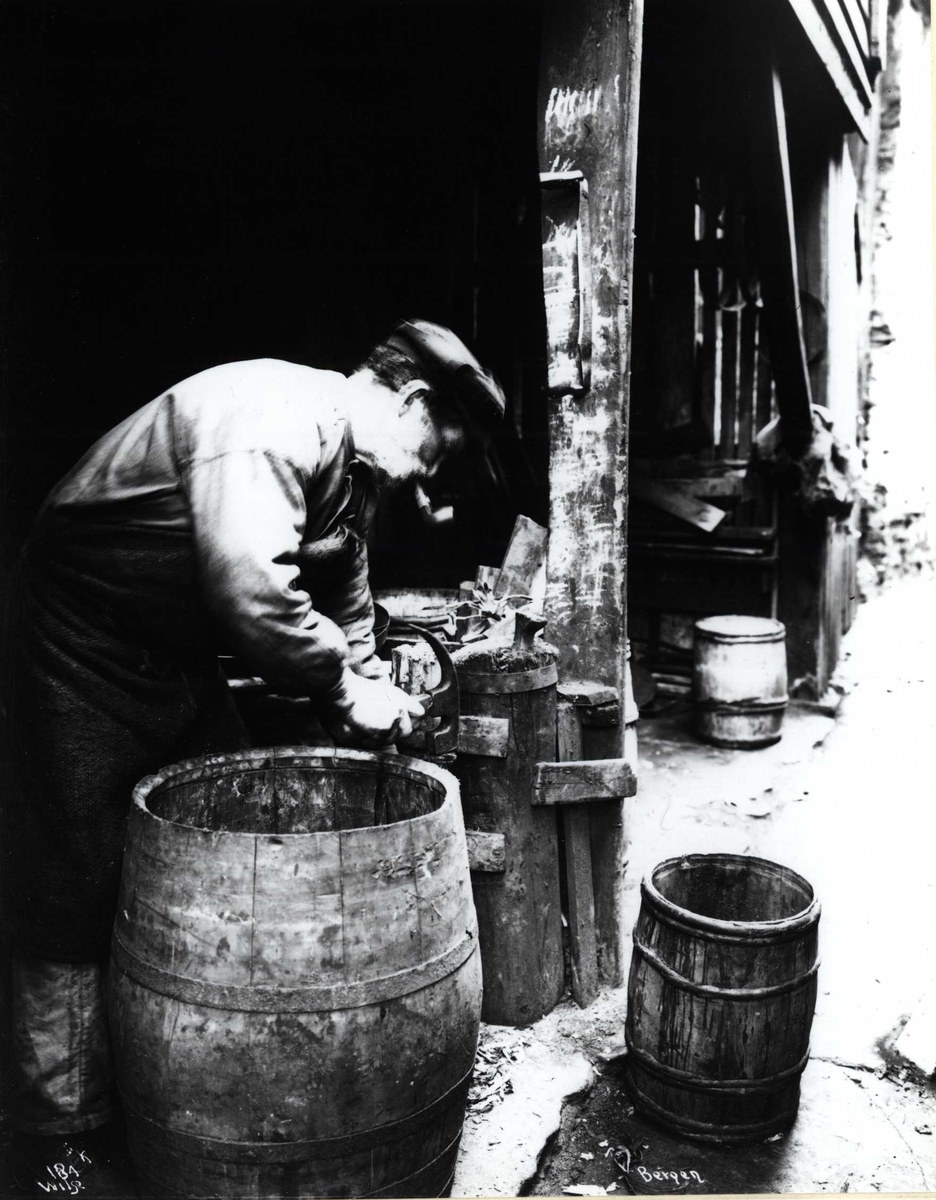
(273, 1079)
(720, 1010)
(362, 912)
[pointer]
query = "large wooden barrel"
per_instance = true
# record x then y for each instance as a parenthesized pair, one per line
(295, 984)
(721, 996)
(519, 915)
(740, 680)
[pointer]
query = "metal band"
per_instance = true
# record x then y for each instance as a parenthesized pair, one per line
(317, 1148)
(309, 998)
(738, 708)
(768, 1083)
(706, 1131)
(397, 1188)
(509, 681)
(722, 993)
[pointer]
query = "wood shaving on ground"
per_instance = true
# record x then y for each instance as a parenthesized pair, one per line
(492, 1071)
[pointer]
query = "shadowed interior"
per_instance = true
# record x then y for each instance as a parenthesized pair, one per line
(306, 798)
(733, 889)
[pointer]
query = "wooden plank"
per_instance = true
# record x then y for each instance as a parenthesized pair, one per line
(857, 54)
(876, 13)
(580, 886)
(487, 736)
(764, 383)
(746, 396)
(526, 552)
(834, 58)
(565, 278)
(486, 851)
(729, 384)
(672, 315)
(717, 486)
(678, 502)
(708, 278)
(588, 111)
(860, 26)
(583, 782)
(777, 247)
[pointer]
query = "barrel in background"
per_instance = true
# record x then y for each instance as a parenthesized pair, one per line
(740, 680)
(295, 992)
(721, 996)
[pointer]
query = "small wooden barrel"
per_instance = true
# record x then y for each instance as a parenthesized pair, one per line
(721, 996)
(519, 916)
(295, 983)
(740, 680)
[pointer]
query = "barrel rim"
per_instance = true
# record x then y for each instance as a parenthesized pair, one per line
(772, 630)
(266, 758)
(781, 928)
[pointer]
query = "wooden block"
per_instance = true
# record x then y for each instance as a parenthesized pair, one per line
(598, 705)
(525, 555)
(583, 782)
(584, 693)
(486, 851)
(678, 502)
(416, 669)
(487, 736)
(576, 827)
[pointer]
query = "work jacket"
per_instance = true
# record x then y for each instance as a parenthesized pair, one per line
(254, 461)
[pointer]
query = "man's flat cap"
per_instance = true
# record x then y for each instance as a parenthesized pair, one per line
(451, 367)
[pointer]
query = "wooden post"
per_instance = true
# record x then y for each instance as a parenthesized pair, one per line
(519, 916)
(583, 955)
(589, 91)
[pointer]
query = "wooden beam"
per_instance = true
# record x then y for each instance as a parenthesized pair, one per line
(588, 110)
(855, 47)
(777, 256)
(860, 27)
(834, 58)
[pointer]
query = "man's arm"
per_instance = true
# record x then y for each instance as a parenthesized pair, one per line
(248, 515)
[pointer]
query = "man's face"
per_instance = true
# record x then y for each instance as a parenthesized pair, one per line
(419, 444)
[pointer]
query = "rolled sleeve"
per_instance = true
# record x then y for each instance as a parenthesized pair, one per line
(248, 513)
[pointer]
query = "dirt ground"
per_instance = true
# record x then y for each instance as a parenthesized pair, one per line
(847, 802)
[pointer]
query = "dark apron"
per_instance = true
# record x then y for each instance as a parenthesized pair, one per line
(112, 674)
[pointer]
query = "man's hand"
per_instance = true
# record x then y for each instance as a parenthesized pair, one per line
(369, 714)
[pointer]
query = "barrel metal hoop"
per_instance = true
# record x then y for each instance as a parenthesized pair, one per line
(316, 1148)
(727, 936)
(738, 708)
(707, 1131)
(767, 1083)
(722, 993)
(508, 681)
(397, 1188)
(309, 998)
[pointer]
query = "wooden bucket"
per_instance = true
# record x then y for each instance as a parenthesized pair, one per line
(295, 983)
(740, 680)
(721, 996)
